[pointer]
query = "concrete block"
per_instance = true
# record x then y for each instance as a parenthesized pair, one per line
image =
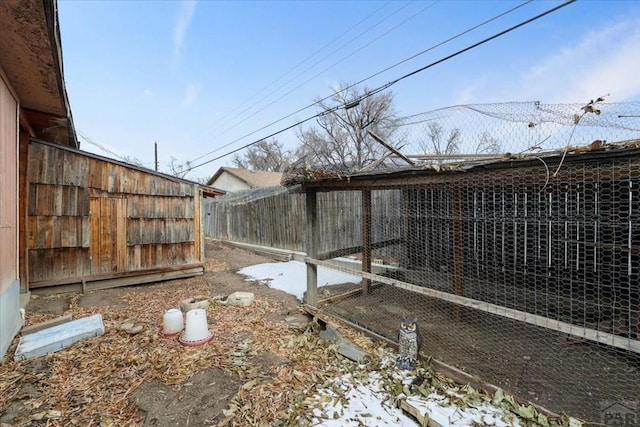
(241, 299)
(58, 337)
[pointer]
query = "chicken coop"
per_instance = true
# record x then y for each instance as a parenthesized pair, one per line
(526, 280)
(520, 259)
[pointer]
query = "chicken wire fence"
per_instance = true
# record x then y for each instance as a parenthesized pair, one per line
(522, 270)
(529, 284)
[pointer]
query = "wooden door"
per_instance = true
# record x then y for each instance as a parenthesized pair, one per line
(108, 247)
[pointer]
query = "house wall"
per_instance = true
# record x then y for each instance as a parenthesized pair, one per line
(229, 183)
(90, 218)
(10, 321)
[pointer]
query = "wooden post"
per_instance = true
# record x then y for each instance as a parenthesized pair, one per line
(23, 206)
(366, 238)
(313, 232)
(458, 268)
(406, 236)
(198, 222)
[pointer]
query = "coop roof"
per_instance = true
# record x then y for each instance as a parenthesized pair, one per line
(254, 179)
(328, 180)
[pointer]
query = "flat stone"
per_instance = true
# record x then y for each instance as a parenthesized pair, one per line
(241, 299)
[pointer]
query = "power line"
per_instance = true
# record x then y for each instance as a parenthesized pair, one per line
(367, 78)
(399, 79)
(307, 59)
(306, 81)
(322, 71)
(125, 159)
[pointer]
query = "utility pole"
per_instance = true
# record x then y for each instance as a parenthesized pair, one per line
(155, 149)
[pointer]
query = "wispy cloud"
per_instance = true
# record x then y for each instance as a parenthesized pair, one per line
(603, 61)
(148, 93)
(190, 96)
(183, 21)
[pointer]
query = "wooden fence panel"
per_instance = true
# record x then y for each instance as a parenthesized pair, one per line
(279, 220)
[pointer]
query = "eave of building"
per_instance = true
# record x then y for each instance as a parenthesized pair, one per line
(31, 58)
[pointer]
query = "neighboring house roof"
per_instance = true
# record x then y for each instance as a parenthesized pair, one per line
(31, 58)
(254, 179)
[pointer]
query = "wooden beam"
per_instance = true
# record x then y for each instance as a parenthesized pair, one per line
(313, 238)
(339, 297)
(357, 249)
(509, 313)
(390, 148)
(119, 282)
(424, 421)
(366, 238)
(198, 221)
(24, 122)
(124, 274)
(277, 253)
(23, 212)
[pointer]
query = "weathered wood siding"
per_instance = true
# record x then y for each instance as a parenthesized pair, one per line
(91, 217)
(279, 220)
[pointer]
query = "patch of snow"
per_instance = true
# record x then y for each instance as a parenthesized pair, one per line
(291, 276)
(445, 413)
(358, 404)
(356, 400)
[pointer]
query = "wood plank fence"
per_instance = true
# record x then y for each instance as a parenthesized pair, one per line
(276, 218)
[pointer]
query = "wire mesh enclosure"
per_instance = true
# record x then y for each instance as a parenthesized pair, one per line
(527, 281)
(521, 263)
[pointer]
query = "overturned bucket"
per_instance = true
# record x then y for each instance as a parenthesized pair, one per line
(172, 322)
(196, 331)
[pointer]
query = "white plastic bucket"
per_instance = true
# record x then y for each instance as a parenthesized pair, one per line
(172, 321)
(196, 328)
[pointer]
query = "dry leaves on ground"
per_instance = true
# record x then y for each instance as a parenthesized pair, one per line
(91, 382)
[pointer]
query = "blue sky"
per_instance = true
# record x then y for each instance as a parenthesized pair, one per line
(194, 76)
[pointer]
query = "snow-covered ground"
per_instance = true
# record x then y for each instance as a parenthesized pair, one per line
(362, 399)
(291, 276)
(361, 396)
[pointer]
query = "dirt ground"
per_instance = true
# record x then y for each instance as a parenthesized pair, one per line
(36, 393)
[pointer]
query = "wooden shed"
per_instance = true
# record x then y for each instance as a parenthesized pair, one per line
(94, 222)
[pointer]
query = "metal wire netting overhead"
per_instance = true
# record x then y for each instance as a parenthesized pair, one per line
(517, 127)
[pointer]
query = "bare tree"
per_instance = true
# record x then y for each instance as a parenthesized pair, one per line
(437, 142)
(132, 161)
(265, 155)
(340, 140)
(488, 144)
(177, 169)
